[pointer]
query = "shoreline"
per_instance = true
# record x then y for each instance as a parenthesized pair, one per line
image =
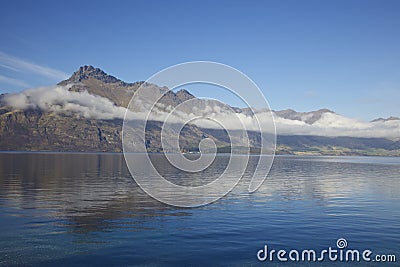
(296, 153)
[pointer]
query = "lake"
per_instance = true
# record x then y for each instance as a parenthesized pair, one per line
(59, 209)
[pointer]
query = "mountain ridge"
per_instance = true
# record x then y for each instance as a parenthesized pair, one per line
(88, 71)
(35, 128)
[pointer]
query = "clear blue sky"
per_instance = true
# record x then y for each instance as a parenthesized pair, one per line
(305, 55)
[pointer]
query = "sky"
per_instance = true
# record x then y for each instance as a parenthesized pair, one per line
(304, 55)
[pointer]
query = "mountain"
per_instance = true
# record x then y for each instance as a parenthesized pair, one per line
(338, 146)
(387, 119)
(307, 117)
(86, 111)
(95, 81)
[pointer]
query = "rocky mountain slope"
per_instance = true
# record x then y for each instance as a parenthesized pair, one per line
(57, 120)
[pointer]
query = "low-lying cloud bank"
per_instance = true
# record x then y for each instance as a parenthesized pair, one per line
(60, 99)
(331, 124)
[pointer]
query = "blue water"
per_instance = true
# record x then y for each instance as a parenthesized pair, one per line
(85, 209)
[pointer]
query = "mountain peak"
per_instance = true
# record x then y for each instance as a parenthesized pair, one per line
(325, 110)
(88, 71)
(391, 118)
(307, 117)
(184, 95)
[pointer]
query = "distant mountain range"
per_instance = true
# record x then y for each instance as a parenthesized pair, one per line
(85, 112)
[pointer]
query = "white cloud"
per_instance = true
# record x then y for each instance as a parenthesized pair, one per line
(331, 124)
(60, 99)
(17, 64)
(8, 80)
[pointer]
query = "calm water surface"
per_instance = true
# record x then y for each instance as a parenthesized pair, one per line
(80, 209)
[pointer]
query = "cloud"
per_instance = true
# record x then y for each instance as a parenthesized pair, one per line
(8, 80)
(61, 99)
(331, 124)
(17, 64)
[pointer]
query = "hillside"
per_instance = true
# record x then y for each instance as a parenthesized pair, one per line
(86, 115)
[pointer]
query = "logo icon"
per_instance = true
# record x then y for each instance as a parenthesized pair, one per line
(150, 113)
